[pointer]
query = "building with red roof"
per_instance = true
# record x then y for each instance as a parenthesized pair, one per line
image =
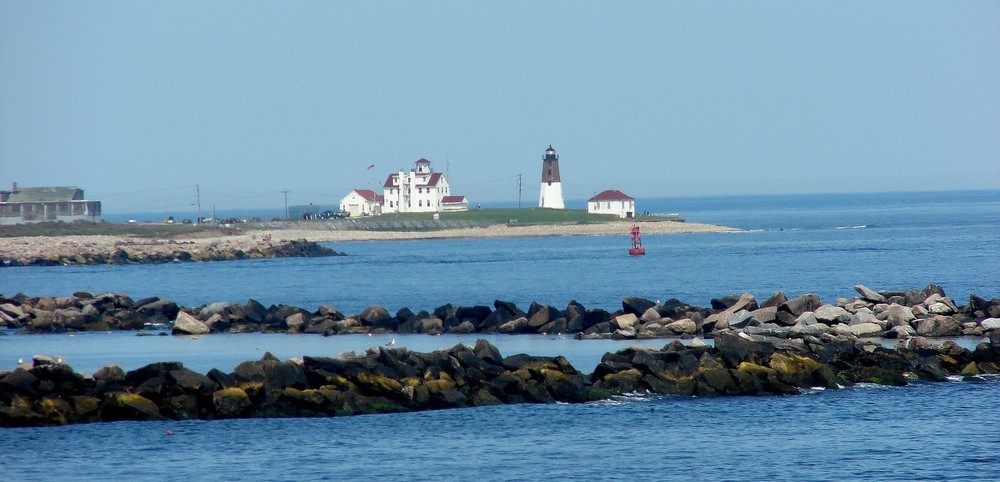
(362, 202)
(420, 190)
(612, 201)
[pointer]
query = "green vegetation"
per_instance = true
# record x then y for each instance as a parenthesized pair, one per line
(109, 229)
(503, 216)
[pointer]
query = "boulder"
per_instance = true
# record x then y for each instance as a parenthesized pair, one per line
(765, 315)
(897, 315)
(637, 306)
(725, 302)
(941, 308)
(864, 316)
(939, 325)
(651, 315)
(990, 324)
(830, 314)
(129, 406)
(624, 322)
(294, 322)
(186, 324)
(869, 294)
(739, 319)
(217, 308)
(866, 329)
(801, 304)
(682, 327)
(775, 301)
(373, 315)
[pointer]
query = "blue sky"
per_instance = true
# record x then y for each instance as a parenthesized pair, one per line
(137, 102)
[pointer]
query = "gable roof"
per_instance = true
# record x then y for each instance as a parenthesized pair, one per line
(452, 199)
(422, 161)
(43, 194)
(368, 195)
(612, 195)
(431, 179)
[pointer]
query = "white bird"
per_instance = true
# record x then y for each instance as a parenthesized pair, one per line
(391, 342)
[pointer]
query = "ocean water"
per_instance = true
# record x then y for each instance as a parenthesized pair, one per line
(823, 244)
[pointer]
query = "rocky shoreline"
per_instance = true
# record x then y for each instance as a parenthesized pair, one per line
(781, 346)
(284, 240)
(384, 380)
(885, 314)
(163, 251)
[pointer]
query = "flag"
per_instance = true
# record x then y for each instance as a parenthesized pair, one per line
(371, 167)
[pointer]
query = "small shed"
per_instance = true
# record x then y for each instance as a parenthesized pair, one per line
(612, 201)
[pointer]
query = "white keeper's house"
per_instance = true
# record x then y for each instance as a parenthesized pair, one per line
(614, 202)
(362, 202)
(421, 190)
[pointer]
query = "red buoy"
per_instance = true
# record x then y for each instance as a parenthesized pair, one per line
(636, 248)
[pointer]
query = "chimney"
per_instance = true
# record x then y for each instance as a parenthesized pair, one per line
(14, 188)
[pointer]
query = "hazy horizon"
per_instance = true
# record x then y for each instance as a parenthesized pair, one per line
(139, 102)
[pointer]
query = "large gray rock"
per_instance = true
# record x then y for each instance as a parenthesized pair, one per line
(765, 315)
(739, 319)
(864, 316)
(939, 325)
(897, 315)
(775, 300)
(801, 304)
(990, 324)
(869, 294)
(830, 314)
(683, 327)
(651, 315)
(866, 330)
(940, 308)
(637, 306)
(624, 322)
(216, 308)
(814, 329)
(186, 324)
(745, 302)
(295, 322)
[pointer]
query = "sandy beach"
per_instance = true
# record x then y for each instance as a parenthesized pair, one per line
(27, 247)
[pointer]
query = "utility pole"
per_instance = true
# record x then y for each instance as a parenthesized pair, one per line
(197, 189)
(286, 204)
(519, 191)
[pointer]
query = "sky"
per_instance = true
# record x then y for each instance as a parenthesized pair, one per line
(139, 102)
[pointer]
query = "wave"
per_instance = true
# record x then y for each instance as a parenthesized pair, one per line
(860, 226)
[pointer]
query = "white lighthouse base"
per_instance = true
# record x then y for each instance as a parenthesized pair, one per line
(551, 196)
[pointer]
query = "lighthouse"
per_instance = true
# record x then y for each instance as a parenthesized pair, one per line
(551, 195)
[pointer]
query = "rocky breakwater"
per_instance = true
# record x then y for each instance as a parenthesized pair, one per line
(395, 380)
(154, 251)
(886, 314)
(380, 380)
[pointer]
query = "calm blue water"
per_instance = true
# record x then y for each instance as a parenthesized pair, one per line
(819, 243)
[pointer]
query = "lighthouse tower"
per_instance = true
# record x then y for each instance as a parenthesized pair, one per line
(551, 195)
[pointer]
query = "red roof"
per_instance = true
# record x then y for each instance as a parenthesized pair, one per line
(452, 199)
(432, 180)
(368, 194)
(422, 161)
(612, 195)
